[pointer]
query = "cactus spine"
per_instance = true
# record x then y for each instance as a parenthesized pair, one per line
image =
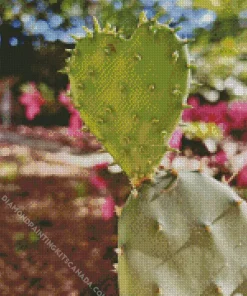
(179, 235)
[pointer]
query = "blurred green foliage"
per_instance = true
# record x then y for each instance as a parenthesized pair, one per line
(222, 7)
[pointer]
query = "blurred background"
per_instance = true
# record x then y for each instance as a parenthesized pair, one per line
(59, 175)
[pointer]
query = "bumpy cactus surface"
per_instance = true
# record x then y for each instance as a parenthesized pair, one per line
(130, 92)
(183, 236)
(178, 235)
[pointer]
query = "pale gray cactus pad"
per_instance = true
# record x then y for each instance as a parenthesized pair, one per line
(186, 240)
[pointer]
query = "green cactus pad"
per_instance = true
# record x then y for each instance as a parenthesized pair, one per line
(187, 240)
(130, 92)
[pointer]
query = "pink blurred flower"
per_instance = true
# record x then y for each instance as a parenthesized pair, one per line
(101, 166)
(75, 121)
(98, 182)
(238, 115)
(176, 139)
(191, 114)
(75, 124)
(217, 113)
(32, 100)
(214, 113)
(220, 158)
(242, 177)
(108, 208)
(64, 99)
(32, 110)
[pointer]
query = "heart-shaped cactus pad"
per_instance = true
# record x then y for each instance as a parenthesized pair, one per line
(130, 92)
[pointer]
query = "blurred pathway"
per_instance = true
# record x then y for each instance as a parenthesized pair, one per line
(54, 151)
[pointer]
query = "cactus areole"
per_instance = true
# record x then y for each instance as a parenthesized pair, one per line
(179, 235)
(130, 92)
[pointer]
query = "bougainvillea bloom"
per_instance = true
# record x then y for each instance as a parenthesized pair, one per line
(220, 158)
(108, 208)
(75, 121)
(242, 177)
(191, 114)
(98, 182)
(32, 100)
(75, 124)
(101, 166)
(176, 139)
(214, 113)
(238, 115)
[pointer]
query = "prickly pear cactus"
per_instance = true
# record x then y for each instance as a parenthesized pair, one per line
(183, 236)
(130, 92)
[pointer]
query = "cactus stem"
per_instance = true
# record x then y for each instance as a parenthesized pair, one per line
(124, 87)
